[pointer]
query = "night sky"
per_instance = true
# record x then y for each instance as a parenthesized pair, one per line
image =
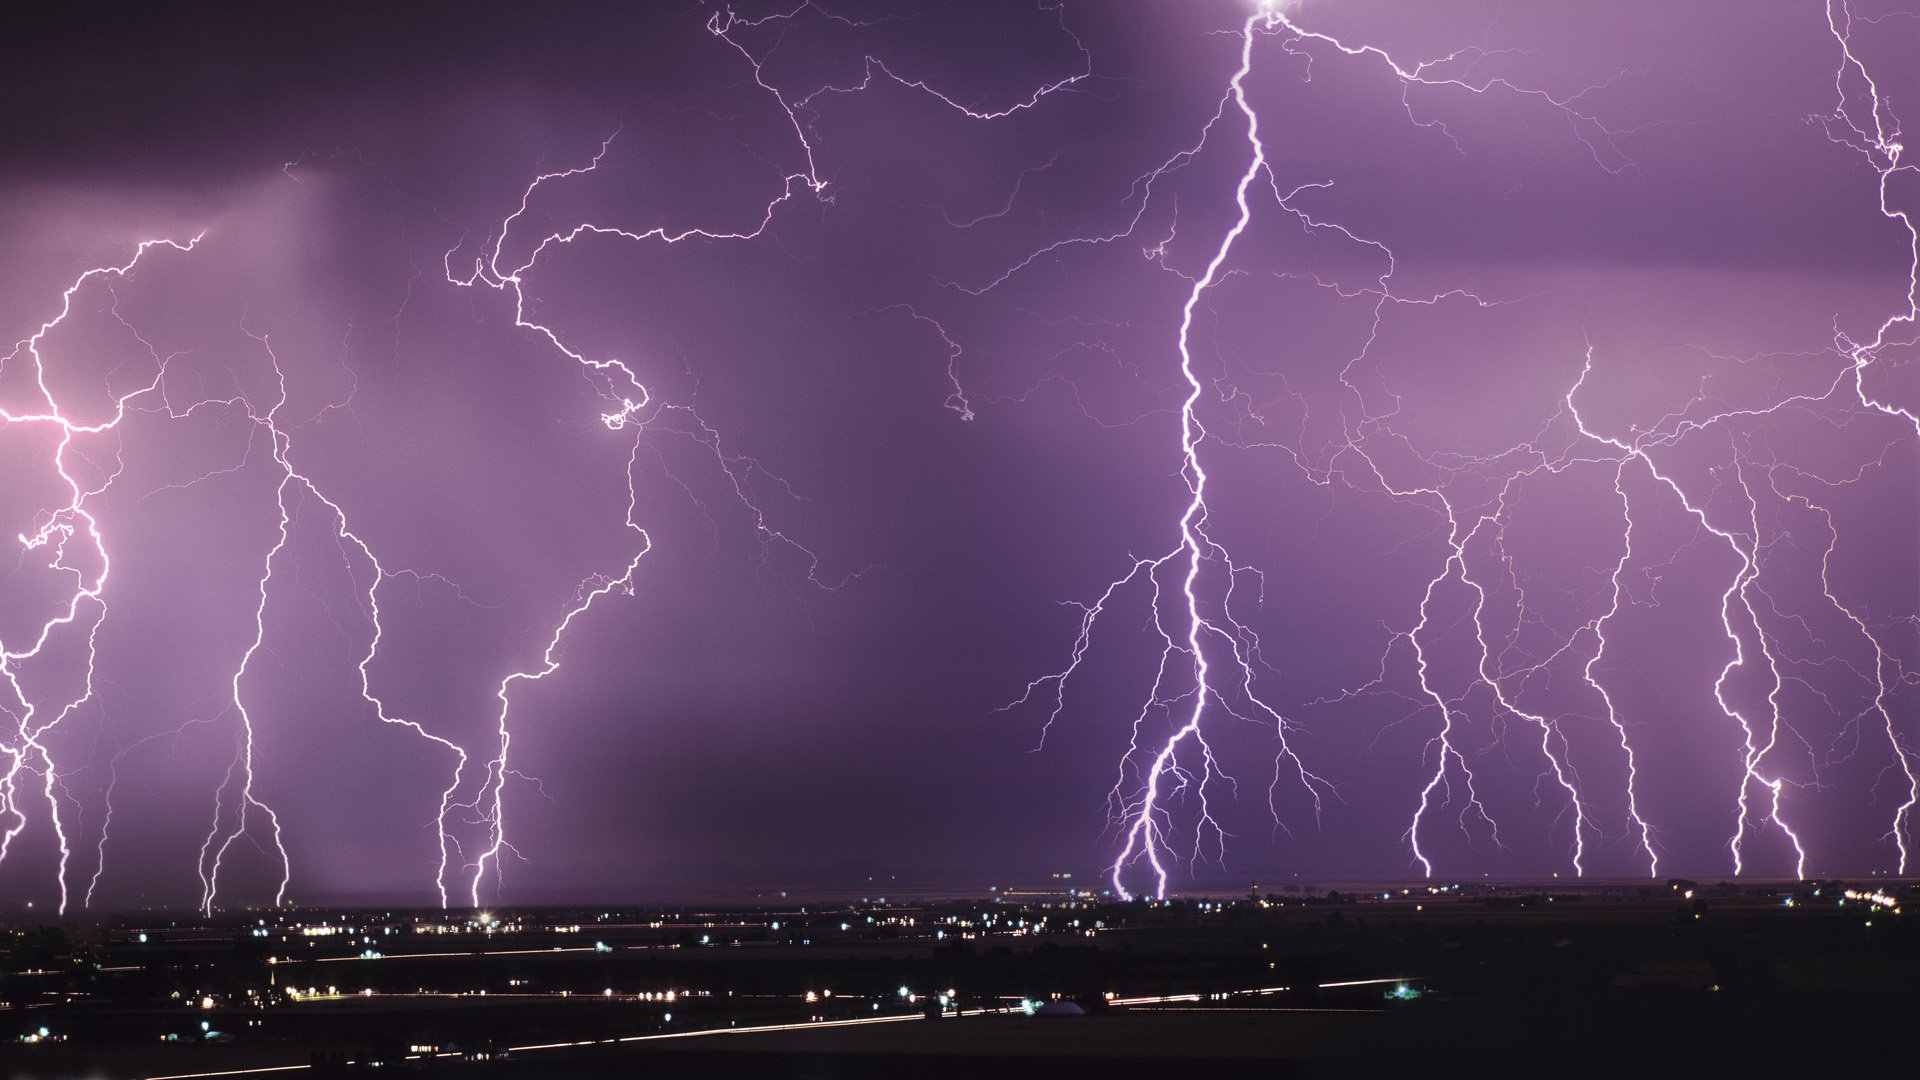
(1526, 439)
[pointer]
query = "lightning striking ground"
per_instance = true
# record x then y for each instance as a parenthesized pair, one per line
(473, 795)
(1475, 555)
(1488, 666)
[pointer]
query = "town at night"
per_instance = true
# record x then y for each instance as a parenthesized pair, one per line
(1292, 981)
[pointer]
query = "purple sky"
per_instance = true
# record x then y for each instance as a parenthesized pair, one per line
(908, 288)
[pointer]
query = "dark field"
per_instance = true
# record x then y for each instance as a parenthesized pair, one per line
(1502, 980)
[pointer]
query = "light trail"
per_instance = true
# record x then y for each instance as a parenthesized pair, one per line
(261, 1071)
(440, 955)
(578, 1044)
(1260, 991)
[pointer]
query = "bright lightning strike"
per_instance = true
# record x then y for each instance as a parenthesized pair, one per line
(1202, 638)
(1488, 663)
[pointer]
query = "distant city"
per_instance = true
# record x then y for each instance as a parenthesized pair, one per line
(1031, 975)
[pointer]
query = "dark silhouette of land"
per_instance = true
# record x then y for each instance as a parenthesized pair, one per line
(1589, 979)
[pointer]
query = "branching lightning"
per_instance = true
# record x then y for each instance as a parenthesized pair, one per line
(74, 544)
(86, 605)
(1474, 528)
(1551, 696)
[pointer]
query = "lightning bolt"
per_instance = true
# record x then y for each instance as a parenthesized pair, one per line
(1876, 138)
(474, 796)
(628, 398)
(1141, 815)
(629, 405)
(1209, 636)
(1209, 666)
(71, 535)
(69, 524)
(1191, 655)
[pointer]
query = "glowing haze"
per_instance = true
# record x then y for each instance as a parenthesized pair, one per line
(453, 456)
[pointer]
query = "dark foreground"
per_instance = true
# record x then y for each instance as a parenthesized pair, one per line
(1589, 981)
